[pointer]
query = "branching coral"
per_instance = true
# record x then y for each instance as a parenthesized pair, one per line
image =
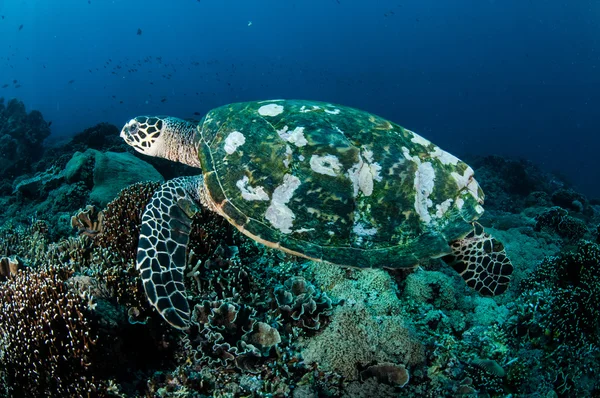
(122, 219)
(568, 286)
(558, 220)
(46, 340)
(29, 243)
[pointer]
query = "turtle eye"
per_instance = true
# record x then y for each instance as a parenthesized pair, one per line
(133, 128)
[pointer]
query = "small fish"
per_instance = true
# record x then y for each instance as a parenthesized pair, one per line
(139, 32)
(50, 123)
(4, 86)
(2, 16)
(15, 81)
(71, 81)
(163, 100)
(249, 23)
(17, 86)
(197, 113)
(120, 102)
(21, 27)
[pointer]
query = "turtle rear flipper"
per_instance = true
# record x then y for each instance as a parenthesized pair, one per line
(481, 261)
(161, 256)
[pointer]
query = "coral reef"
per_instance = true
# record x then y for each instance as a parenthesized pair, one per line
(21, 138)
(509, 184)
(45, 335)
(121, 220)
(559, 221)
(75, 320)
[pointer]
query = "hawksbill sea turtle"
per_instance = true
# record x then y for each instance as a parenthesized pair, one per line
(316, 180)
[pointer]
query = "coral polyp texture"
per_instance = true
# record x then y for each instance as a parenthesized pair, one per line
(46, 340)
(75, 319)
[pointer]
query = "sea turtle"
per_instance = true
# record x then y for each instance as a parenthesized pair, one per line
(317, 180)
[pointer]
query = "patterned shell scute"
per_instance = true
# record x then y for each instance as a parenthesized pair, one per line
(334, 183)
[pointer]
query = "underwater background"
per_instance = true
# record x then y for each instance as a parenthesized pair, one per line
(511, 87)
(508, 77)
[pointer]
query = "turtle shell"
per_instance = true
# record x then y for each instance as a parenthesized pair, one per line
(334, 183)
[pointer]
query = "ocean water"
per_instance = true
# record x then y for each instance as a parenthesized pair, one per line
(515, 77)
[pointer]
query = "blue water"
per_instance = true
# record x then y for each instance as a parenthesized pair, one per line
(509, 77)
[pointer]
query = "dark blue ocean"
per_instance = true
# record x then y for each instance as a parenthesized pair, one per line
(512, 77)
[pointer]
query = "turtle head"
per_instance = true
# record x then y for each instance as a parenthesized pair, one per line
(163, 136)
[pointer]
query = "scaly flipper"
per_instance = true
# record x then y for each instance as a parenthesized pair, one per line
(481, 261)
(161, 256)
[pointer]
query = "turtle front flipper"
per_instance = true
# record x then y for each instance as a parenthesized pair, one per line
(161, 256)
(481, 261)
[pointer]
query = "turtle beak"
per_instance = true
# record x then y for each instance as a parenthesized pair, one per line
(125, 133)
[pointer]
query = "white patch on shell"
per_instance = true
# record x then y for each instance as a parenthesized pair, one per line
(304, 109)
(328, 165)
(479, 209)
(444, 157)
(424, 183)
(417, 139)
(463, 180)
(333, 112)
(270, 110)
(301, 158)
(407, 155)
(251, 193)
(278, 214)
(442, 208)
(473, 188)
(296, 136)
(303, 230)
(360, 230)
(362, 174)
(233, 141)
(288, 156)
(459, 203)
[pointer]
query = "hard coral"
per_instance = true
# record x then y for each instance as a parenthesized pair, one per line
(508, 182)
(388, 373)
(9, 266)
(46, 341)
(557, 220)
(214, 262)
(21, 138)
(569, 199)
(88, 221)
(227, 334)
(299, 304)
(123, 217)
(567, 290)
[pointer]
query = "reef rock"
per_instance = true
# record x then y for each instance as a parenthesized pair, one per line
(21, 138)
(108, 173)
